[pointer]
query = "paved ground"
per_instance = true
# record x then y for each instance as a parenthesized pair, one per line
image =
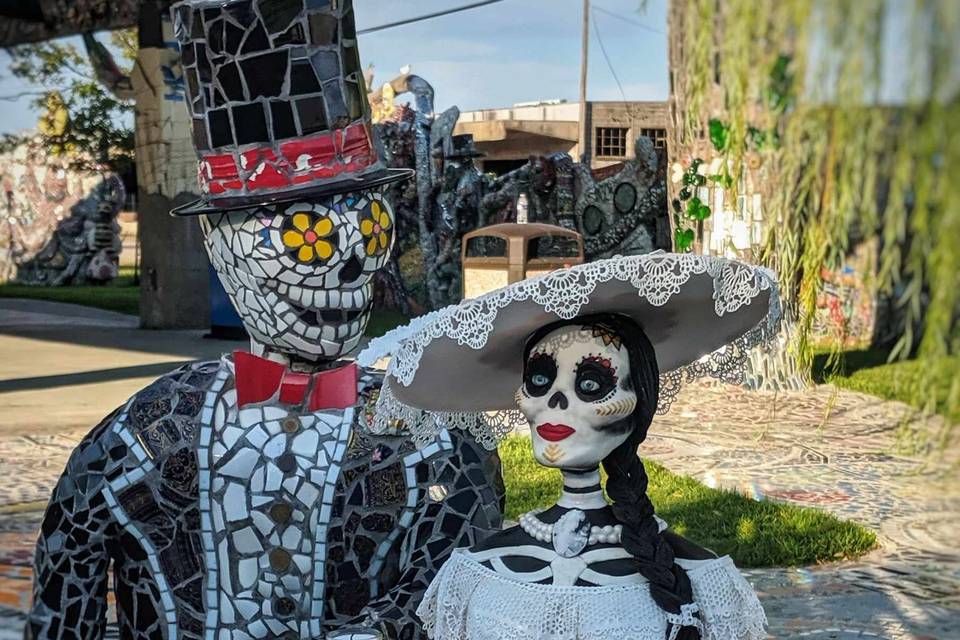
(828, 449)
(834, 450)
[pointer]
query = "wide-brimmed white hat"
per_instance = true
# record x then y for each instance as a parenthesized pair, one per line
(701, 313)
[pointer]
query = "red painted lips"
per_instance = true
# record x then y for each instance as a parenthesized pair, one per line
(555, 432)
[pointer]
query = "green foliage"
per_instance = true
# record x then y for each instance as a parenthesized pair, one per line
(838, 163)
(755, 534)
(695, 211)
(79, 117)
(719, 134)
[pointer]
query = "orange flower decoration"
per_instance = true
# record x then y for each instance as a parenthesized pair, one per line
(376, 227)
(307, 237)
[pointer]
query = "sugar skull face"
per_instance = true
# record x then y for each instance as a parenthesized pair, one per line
(576, 394)
(300, 274)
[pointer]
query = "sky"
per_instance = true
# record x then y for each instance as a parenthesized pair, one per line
(492, 56)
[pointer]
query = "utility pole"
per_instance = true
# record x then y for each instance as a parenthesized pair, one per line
(584, 143)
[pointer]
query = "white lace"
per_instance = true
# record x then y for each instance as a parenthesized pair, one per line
(656, 276)
(467, 601)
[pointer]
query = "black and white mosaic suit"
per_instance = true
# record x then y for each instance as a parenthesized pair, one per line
(263, 522)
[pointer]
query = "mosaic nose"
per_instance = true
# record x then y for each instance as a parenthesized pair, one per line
(352, 270)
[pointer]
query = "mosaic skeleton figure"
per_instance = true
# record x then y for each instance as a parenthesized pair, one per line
(248, 498)
(231, 510)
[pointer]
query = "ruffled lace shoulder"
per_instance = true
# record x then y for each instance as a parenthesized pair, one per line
(467, 601)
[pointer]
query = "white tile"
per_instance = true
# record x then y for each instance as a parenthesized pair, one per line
(246, 541)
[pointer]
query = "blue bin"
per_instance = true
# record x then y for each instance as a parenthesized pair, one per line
(225, 323)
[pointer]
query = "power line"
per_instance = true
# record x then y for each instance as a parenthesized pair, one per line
(603, 50)
(626, 19)
(428, 16)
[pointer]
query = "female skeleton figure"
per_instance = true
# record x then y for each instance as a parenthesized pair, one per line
(589, 387)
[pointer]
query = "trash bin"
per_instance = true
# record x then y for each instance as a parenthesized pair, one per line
(501, 254)
(225, 323)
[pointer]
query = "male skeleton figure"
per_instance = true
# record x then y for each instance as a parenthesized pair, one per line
(246, 498)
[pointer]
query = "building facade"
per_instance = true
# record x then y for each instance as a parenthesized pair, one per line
(510, 136)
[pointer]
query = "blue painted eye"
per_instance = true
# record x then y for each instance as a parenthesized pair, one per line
(589, 386)
(539, 380)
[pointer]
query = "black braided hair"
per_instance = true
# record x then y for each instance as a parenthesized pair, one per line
(626, 477)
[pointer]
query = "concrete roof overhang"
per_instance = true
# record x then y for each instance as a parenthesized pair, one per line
(499, 130)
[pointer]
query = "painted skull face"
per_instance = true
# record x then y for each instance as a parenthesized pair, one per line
(301, 274)
(576, 393)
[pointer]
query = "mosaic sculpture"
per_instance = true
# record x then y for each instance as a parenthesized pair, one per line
(588, 355)
(85, 246)
(248, 498)
(619, 213)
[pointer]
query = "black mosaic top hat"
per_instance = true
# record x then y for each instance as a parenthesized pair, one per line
(278, 102)
(462, 146)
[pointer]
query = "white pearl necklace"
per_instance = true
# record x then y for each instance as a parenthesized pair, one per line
(539, 530)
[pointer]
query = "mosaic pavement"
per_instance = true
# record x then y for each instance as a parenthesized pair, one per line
(827, 449)
(834, 450)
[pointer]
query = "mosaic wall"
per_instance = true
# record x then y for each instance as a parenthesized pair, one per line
(50, 211)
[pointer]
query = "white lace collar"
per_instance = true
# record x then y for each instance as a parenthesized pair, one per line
(467, 601)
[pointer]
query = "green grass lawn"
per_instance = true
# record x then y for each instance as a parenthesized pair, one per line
(121, 295)
(869, 372)
(754, 534)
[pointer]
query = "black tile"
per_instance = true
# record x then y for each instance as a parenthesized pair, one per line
(323, 29)
(218, 98)
(292, 36)
(241, 12)
(354, 99)
(203, 63)
(278, 14)
(221, 133)
(234, 36)
(196, 26)
(228, 76)
(256, 40)
(347, 28)
(215, 36)
(313, 117)
(283, 123)
(302, 79)
(351, 61)
(251, 125)
(265, 74)
(193, 86)
(187, 55)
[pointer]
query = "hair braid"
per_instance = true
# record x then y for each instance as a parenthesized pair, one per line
(627, 486)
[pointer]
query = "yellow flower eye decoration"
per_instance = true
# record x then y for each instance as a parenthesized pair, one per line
(307, 237)
(376, 227)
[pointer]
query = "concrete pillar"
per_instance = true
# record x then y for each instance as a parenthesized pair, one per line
(174, 284)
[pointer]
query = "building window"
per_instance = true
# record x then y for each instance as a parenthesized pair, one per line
(658, 136)
(611, 142)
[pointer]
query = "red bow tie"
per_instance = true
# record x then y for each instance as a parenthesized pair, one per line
(259, 379)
